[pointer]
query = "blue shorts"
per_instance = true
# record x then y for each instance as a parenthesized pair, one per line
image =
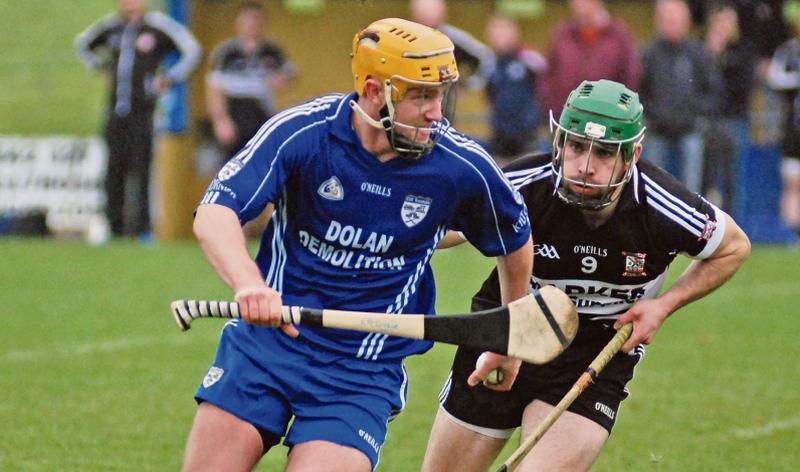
(265, 378)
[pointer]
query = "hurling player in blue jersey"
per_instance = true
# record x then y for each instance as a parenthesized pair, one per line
(607, 226)
(360, 188)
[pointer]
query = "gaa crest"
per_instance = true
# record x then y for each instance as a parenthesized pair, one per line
(213, 375)
(414, 209)
(634, 264)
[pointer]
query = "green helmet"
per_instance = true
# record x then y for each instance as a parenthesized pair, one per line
(605, 113)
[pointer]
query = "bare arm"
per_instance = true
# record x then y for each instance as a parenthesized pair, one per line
(223, 126)
(698, 280)
(220, 235)
(451, 239)
(514, 271)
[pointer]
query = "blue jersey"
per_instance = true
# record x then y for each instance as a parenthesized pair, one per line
(351, 232)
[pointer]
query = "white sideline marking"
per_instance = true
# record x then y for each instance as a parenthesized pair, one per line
(767, 429)
(88, 348)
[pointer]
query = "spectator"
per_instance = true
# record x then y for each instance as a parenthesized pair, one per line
(246, 72)
(128, 47)
(726, 137)
(677, 89)
(511, 87)
(471, 54)
(784, 75)
(591, 45)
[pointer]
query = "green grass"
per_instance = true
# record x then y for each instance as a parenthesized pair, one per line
(46, 90)
(97, 377)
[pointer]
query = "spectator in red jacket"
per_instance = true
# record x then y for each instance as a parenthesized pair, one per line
(591, 45)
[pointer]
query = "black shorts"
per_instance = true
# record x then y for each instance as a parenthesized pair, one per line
(498, 413)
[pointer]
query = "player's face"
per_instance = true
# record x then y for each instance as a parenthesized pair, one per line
(590, 167)
(131, 7)
(417, 111)
(250, 24)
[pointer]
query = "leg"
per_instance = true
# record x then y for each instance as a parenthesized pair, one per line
(790, 197)
(475, 452)
(713, 161)
(656, 150)
(308, 456)
(691, 146)
(142, 143)
(221, 441)
(116, 168)
(571, 444)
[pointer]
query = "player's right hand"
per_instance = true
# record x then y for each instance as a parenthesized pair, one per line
(225, 130)
(508, 366)
(261, 305)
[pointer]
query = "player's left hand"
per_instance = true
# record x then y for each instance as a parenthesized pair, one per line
(647, 317)
(508, 366)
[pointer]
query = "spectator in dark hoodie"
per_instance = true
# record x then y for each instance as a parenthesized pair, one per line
(727, 135)
(678, 91)
(512, 82)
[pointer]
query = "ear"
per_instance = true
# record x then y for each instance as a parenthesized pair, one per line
(637, 153)
(373, 91)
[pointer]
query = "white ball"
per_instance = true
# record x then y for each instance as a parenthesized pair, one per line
(494, 377)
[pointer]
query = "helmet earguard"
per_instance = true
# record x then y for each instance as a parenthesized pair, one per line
(604, 113)
(402, 55)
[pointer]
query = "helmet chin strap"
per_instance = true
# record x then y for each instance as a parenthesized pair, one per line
(404, 147)
(385, 122)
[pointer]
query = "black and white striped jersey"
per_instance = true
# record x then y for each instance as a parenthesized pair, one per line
(132, 51)
(242, 75)
(607, 269)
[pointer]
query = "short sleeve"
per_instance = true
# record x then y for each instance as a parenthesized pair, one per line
(256, 175)
(491, 214)
(682, 221)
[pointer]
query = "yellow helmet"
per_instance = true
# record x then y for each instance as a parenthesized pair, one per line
(392, 49)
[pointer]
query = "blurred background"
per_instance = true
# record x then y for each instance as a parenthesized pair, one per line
(48, 93)
(99, 378)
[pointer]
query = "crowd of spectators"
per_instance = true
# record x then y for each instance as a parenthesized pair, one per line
(696, 76)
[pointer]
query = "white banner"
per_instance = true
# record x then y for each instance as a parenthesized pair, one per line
(61, 176)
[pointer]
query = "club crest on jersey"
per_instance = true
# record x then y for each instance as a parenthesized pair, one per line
(213, 375)
(634, 264)
(231, 168)
(331, 189)
(708, 229)
(414, 209)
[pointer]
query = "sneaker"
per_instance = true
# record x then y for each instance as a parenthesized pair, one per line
(147, 239)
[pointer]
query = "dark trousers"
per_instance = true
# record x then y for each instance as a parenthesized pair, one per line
(723, 145)
(130, 147)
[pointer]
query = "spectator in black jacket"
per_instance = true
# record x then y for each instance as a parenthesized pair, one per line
(727, 135)
(677, 89)
(784, 75)
(128, 46)
(246, 73)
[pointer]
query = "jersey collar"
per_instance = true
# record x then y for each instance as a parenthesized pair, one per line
(342, 126)
(629, 198)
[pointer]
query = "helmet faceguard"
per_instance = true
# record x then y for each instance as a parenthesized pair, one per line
(404, 56)
(602, 114)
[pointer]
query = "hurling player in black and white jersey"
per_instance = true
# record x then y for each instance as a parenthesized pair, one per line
(606, 226)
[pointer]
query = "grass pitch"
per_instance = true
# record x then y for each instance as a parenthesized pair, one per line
(98, 377)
